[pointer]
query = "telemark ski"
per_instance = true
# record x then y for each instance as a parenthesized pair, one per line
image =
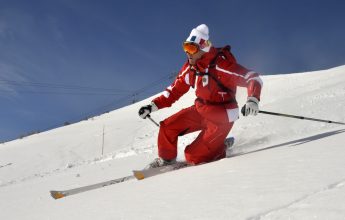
(137, 174)
(64, 193)
(145, 173)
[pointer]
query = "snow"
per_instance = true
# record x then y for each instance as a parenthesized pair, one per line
(281, 168)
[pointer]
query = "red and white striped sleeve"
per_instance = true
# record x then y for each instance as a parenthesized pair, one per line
(241, 76)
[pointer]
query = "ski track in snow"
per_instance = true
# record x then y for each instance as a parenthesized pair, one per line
(6, 165)
(326, 189)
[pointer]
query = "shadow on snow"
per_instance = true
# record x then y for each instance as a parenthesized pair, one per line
(295, 142)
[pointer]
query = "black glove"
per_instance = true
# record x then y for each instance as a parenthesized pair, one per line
(147, 109)
(251, 107)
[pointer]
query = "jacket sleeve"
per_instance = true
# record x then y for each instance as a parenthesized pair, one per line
(238, 75)
(178, 88)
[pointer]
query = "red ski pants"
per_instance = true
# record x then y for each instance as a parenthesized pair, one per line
(207, 147)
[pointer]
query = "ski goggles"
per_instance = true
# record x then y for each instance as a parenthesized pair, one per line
(190, 47)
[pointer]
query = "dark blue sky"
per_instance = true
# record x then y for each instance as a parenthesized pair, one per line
(70, 59)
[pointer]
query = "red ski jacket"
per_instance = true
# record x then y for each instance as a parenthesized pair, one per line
(215, 78)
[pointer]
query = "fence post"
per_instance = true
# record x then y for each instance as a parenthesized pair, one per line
(103, 141)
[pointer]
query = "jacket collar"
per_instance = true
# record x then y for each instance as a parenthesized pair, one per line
(203, 63)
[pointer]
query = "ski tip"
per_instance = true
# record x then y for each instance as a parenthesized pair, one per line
(138, 174)
(57, 194)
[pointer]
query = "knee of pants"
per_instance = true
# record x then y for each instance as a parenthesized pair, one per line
(202, 154)
(192, 159)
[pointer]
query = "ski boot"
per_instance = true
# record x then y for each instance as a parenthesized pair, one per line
(229, 146)
(159, 162)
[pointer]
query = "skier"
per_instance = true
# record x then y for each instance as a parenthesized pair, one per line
(214, 74)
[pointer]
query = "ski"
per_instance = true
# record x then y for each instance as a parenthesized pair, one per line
(145, 173)
(65, 193)
(137, 174)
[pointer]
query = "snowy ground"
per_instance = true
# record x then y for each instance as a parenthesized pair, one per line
(282, 168)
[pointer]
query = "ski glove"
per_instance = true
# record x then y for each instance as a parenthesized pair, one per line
(147, 109)
(251, 107)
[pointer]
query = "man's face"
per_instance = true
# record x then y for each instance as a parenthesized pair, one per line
(195, 57)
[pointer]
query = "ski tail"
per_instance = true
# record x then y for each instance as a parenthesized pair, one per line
(139, 174)
(57, 194)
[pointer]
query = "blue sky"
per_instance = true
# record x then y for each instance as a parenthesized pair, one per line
(68, 60)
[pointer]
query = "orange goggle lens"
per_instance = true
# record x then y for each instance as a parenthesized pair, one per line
(190, 48)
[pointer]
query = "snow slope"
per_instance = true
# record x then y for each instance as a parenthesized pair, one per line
(282, 168)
